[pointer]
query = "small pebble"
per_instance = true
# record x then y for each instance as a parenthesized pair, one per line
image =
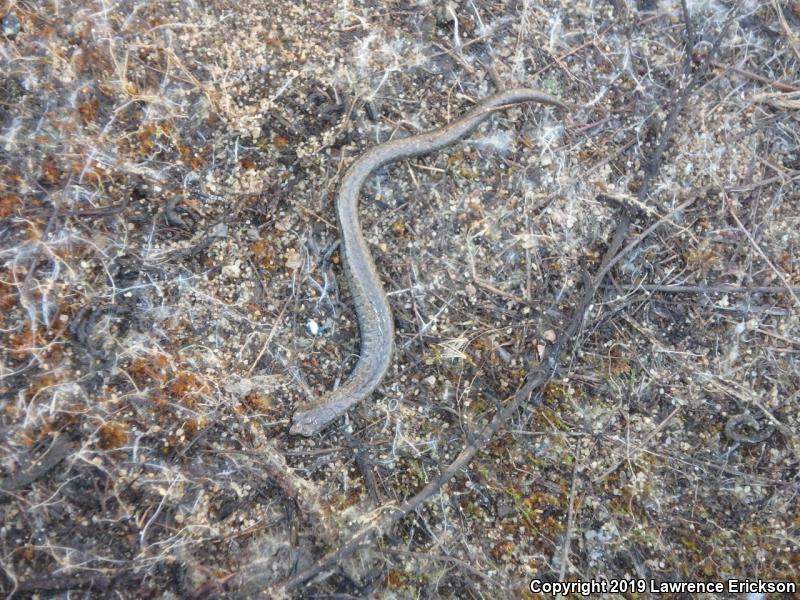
(11, 25)
(312, 327)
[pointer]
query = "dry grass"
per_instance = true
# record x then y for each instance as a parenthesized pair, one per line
(170, 292)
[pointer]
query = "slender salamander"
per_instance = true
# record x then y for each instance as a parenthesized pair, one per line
(372, 308)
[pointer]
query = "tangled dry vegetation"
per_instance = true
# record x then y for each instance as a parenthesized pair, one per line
(597, 311)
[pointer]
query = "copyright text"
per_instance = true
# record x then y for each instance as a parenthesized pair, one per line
(589, 587)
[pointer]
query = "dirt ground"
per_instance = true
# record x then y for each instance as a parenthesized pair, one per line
(596, 372)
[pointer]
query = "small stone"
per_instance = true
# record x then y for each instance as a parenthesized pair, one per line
(220, 230)
(293, 259)
(232, 270)
(11, 25)
(312, 327)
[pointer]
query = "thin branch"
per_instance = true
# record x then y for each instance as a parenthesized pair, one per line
(706, 289)
(562, 571)
(778, 85)
(757, 248)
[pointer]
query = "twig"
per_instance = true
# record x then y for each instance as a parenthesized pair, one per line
(59, 583)
(722, 468)
(641, 446)
(764, 182)
(304, 493)
(757, 248)
(705, 289)
(54, 455)
(488, 66)
(442, 558)
(791, 37)
(642, 236)
(496, 290)
(271, 334)
(744, 396)
(778, 85)
(365, 465)
(562, 570)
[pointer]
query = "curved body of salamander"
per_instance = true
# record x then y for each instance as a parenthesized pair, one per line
(372, 308)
